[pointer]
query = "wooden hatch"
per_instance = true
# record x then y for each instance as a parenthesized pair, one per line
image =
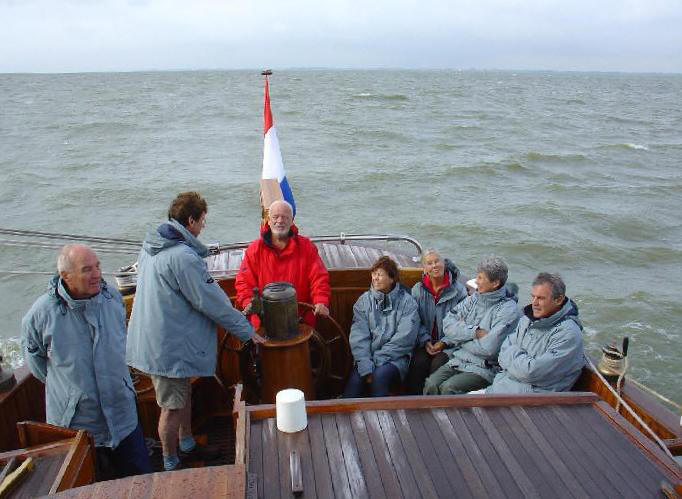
(556, 445)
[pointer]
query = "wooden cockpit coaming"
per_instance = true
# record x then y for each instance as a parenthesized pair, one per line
(215, 396)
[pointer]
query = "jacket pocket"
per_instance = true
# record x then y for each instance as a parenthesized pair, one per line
(71, 406)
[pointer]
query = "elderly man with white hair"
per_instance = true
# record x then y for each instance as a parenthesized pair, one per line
(74, 341)
(281, 254)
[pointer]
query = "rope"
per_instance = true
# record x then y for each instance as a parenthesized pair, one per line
(53, 235)
(32, 272)
(615, 367)
(48, 245)
(656, 394)
(629, 409)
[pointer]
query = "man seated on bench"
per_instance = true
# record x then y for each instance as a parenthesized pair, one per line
(545, 353)
(474, 331)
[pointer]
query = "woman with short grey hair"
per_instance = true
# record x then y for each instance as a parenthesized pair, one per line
(474, 332)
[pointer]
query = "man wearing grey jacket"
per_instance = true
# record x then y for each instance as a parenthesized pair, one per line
(73, 339)
(545, 353)
(172, 331)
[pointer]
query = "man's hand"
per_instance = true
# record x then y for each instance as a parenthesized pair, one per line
(368, 379)
(248, 309)
(257, 339)
(480, 333)
(321, 309)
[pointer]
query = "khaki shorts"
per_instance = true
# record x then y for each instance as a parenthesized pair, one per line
(171, 393)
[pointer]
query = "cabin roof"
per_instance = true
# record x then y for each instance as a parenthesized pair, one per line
(517, 449)
(334, 255)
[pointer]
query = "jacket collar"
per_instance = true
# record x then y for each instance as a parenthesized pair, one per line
(384, 301)
(493, 297)
(266, 236)
(446, 290)
(569, 310)
(57, 289)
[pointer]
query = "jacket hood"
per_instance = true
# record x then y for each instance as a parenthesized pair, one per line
(452, 269)
(384, 301)
(56, 289)
(171, 234)
(569, 310)
(506, 292)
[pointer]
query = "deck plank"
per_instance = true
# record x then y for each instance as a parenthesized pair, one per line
(595, 452)
(437, 457)
(364, 260)
(337, 466)
(649, 475)
(459, 453)
(300, 441)
(270, 460)
(548, 451)
(504, 452)
(398, 457)
(256, 453)
(580, 464)
(501, 471)
(487, 477)
(349, 259)
(536, 466)
(350, 456)
(387, 471)
(323, 479)
(368, 460)
(414, 455)
(337, 261)
(283, 448)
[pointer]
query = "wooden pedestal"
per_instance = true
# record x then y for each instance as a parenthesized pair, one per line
(286, 364)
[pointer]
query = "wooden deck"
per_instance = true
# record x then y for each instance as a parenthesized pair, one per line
(334, 256)
(196, 483)
(568, 445)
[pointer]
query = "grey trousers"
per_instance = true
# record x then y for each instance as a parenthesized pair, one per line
(451, 381)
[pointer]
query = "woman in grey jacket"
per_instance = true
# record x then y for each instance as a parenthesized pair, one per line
(436, 294)
(385, 324)
(474, 331)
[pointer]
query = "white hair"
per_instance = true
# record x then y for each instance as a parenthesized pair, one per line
(282, 201)
(430, 251)
(64, 259)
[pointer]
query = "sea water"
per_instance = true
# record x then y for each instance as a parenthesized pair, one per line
(576, 173)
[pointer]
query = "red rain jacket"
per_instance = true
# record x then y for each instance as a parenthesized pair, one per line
(298, 263)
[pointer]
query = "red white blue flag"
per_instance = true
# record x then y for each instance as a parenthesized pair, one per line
(273, 167)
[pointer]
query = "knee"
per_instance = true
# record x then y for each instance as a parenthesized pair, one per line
(430, 386)
(451, 387)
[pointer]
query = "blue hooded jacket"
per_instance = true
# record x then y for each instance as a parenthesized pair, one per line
(542, 354)
(384, 329)
(430, 311)
(77, 348)
(496, 312)
(172, 330)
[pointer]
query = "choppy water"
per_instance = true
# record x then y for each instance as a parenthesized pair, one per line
(571, 172)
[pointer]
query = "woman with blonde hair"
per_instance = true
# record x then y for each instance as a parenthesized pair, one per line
(436, 294)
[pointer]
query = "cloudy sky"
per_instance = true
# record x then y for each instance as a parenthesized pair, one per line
(117, 35)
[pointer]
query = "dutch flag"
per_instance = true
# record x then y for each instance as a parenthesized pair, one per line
(273, 167)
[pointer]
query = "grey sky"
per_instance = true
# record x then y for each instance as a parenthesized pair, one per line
(109, 35)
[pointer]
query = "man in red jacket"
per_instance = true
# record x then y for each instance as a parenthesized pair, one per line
(282, 255)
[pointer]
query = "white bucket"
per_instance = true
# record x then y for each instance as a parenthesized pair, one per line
(290, 409)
